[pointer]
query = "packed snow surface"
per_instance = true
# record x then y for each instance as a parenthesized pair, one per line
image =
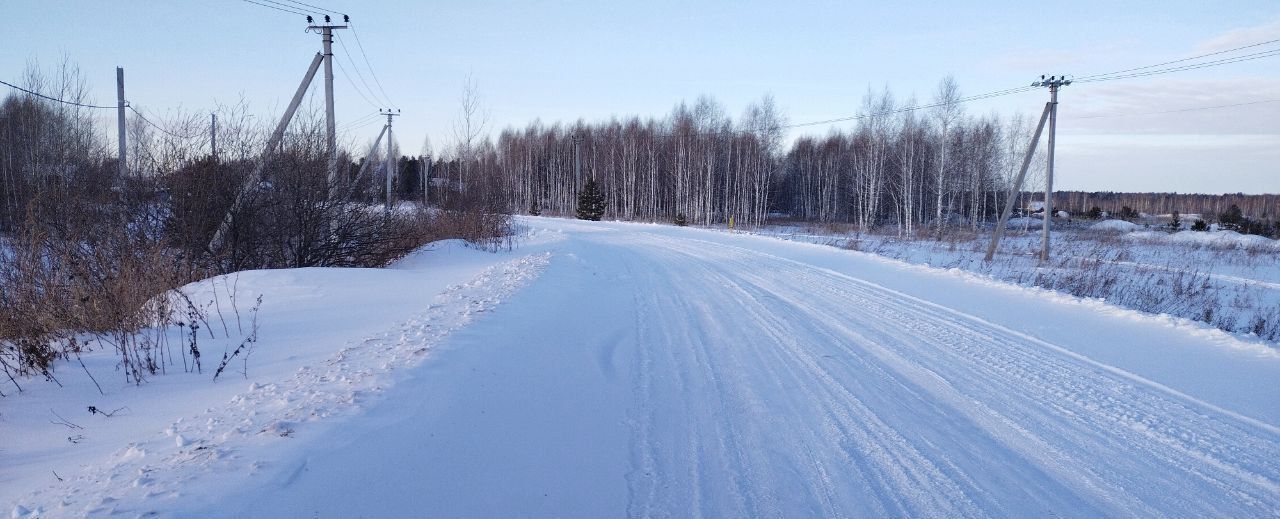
(608, 369)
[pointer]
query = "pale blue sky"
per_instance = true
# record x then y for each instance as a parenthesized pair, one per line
(564, 60)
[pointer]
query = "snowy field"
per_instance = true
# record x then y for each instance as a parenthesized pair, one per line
(603, 369)
(1225, 279)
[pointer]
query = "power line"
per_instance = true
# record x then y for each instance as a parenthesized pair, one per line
(1180, 68)
(1259, 44)
(1180, 110)
(1093, 78)
(370, 65)
(276, 8)
(314, 7)
(42, 96)
(976, 97)
(354, 127)
(360, 75)
(285, 6)
(353, 85)
(161, 128)
(359, 120)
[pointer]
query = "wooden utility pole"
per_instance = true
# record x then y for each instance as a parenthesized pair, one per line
(120, 104)
(331, 131)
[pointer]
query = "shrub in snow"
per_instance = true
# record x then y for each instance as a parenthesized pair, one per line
(681, 220)
(1200, 226)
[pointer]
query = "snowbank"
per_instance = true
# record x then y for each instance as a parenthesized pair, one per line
(1213, 239)
(1114, 226)
(328, 340)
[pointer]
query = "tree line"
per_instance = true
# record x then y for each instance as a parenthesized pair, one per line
(1208, 206)
(898, 166)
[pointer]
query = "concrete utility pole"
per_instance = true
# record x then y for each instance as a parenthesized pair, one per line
(275, 140)
(390, 159)
(1054, 83)
(326, 37)
(1050, 114)
(120, 104)
(1017, 185)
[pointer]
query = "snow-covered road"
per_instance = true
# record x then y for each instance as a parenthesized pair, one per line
(675, 373)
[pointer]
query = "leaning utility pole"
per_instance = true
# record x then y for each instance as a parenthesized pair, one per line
(120, 104)
(365, 165)
(390, 159)
(326, 37)
(1050, 114)
(275, 140)
(1017, 185)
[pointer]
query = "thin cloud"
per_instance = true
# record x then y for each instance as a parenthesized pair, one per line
(1091, 110)
(1240, 36)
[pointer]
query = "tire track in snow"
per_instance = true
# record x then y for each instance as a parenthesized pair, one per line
(894, 470)
(1050, 431)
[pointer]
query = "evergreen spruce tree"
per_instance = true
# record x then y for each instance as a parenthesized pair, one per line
(1175, 224)
(591, 202)
(681, 220)
(1200, 226)
(1232, 218)
(534, 210)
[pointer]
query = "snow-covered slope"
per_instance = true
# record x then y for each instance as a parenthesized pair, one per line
(658, 371)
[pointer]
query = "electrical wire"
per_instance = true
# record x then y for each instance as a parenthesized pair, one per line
(1259, 44)
(353, 85)
(1180, 68)
(359, 75)
(359, 120)
(366, 62)
(1179, 110)
(1128, 73)
(161, 128)
(276, 8)
(285, 6)
(976, 97)
(314, 7)
(42, 96)
(359, 126)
